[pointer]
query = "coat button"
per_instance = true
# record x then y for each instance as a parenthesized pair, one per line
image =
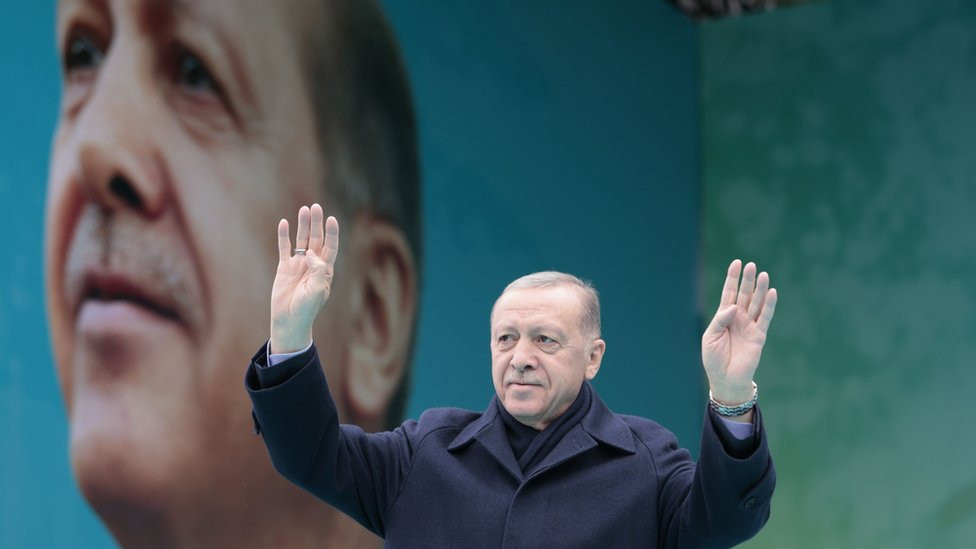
(749, 503)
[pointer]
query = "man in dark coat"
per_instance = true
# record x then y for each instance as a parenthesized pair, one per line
(546, 464)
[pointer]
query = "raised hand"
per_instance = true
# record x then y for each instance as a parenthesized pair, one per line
(304, 279)
(733, 342)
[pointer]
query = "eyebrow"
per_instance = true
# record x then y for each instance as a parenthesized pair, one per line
(64, 8)
(533, 329)
(549, 329)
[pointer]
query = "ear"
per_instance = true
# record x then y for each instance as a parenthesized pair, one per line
(383, 319)
(596, 357)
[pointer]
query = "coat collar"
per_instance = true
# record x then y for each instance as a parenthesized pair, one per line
(607, 427)
(599, 425)
(489, 430)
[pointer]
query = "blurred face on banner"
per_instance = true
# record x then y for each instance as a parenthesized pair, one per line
(186, 130)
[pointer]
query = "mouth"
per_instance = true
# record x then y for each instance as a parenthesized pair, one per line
(109, 288)
(523, 383)
(119, 273)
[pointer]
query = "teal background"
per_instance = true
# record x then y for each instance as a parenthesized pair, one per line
(553, 135)
(559, 135)
(838, 152)
(39, 504)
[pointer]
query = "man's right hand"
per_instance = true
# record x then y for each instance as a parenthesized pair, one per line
(303, 281)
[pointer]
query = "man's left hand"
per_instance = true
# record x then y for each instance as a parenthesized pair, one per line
(733, 341)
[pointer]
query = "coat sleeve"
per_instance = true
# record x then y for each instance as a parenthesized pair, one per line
(356, 472)
(722, 501)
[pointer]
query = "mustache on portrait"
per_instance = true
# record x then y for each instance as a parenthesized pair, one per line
(120, 257)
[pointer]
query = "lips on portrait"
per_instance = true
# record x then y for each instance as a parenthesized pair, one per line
(119, 274)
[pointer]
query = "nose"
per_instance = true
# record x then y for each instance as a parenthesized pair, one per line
(523, 356)
(118, 158)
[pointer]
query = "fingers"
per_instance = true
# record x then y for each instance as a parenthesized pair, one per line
(331, 248)
(284, 243)
(304, 225)
(747, 286)
(753, 296)
(759, 298)
(316, 236)
(769, 307)
(312, 234)
(731, 281)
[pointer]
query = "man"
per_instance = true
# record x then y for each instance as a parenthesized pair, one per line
(546, 464)
(184, 128)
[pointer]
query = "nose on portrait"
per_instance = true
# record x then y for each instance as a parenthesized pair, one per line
(120, 166)
(117, 179)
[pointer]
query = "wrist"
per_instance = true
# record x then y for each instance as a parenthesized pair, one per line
(284, 345)
(735, 408)
(731, 394)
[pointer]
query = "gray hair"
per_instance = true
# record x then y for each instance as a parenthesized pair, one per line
(589, 298)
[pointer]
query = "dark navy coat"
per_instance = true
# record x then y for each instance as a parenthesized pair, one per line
(450, 479)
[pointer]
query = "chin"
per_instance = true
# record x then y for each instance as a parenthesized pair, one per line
(116, 456)
(523, 411)
(132, 440)
(131, 495)
(128, 492)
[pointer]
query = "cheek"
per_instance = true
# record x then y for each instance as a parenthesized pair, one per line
(232, 214)
(63, 202)
(233, 202)
(240, 277)
(497, 370)
(238, 256)
(499, 365)
(562, 378)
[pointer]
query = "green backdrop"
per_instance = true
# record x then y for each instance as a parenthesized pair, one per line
(838, 150)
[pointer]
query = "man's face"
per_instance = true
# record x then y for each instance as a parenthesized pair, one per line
(539, 353)
(185, 133)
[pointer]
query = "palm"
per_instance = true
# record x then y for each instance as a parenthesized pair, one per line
(736, 350)
(303, 282)
(733, 342)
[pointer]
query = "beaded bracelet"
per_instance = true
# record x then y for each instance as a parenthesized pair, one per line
(738, 409)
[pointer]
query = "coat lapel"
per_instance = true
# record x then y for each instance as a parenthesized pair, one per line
(495, 441)
(573, 443)
(489, 431)
(599, 425)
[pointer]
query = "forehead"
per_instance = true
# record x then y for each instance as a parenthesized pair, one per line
(558, 304)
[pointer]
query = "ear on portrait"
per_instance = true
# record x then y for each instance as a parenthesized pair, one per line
(382, 315)
(595, 358)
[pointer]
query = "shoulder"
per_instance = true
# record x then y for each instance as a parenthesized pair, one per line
(649, 433)
(436, 418)
(439, 420)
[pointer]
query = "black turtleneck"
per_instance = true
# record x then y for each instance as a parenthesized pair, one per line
(531, 446)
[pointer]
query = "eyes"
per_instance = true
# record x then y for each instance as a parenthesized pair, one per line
(193, 74)
(84, 54)
(507, 341)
